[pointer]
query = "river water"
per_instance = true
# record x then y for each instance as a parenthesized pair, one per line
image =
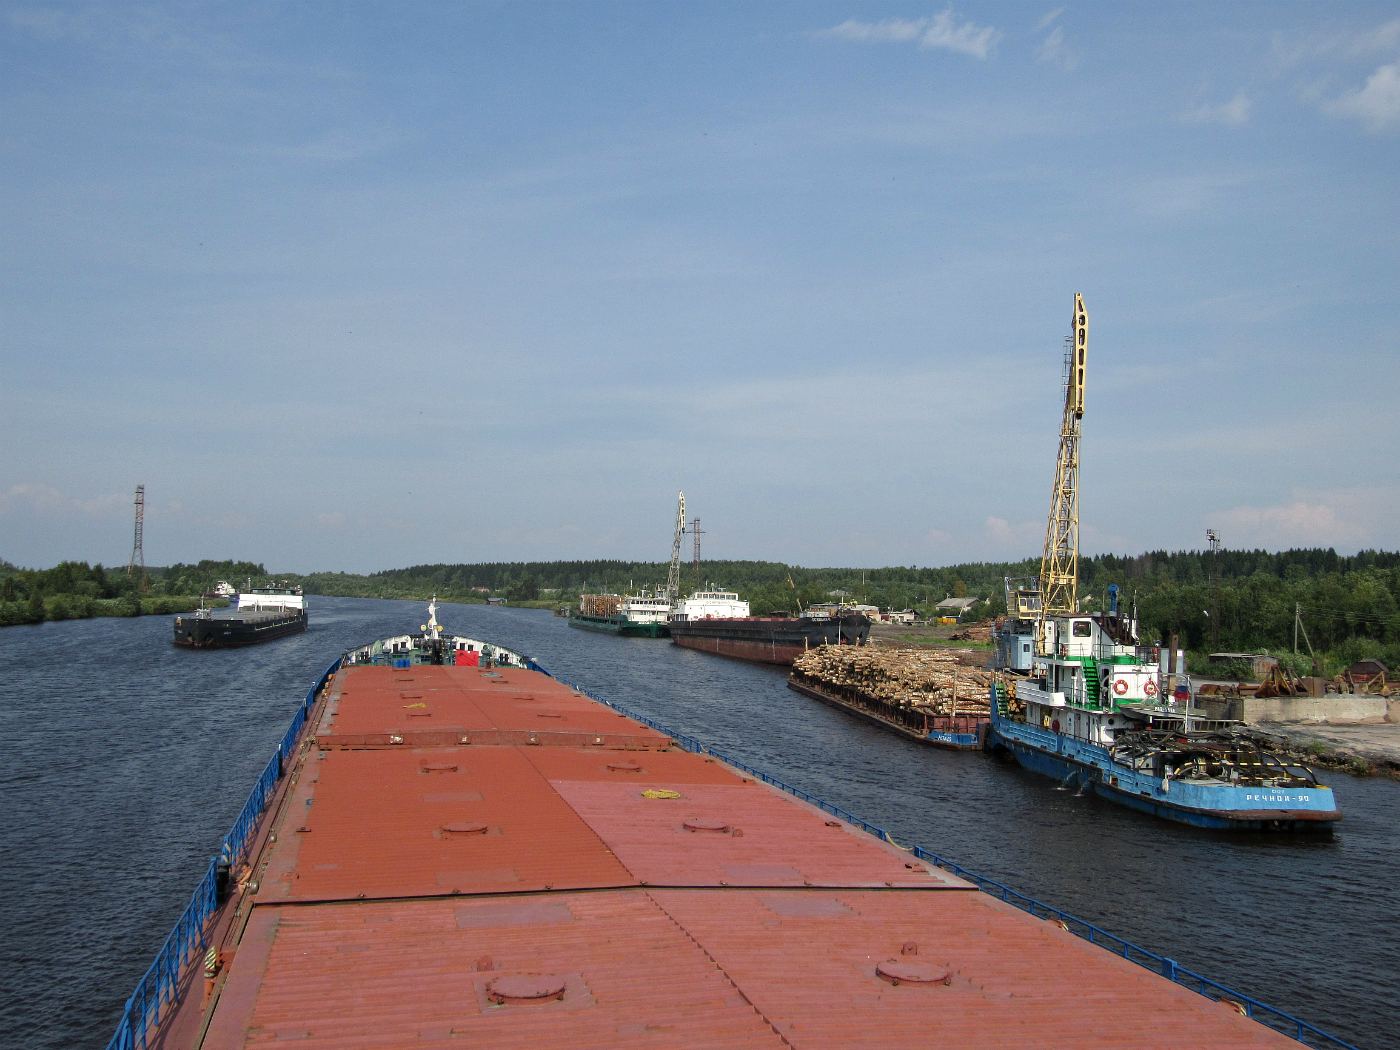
(127, 759)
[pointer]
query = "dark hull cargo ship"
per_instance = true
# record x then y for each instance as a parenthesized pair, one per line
(262, 614)
(718, 621)
(449, 852)
(769, 639)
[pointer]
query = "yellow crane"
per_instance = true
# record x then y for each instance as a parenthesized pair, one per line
(1059, 563)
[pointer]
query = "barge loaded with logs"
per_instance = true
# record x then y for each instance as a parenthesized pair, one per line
(933, 696)
(450, 847)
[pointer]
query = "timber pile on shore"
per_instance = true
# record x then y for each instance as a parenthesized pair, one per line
(920, 678)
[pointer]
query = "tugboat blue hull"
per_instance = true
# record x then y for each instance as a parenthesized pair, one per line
(1216, 806)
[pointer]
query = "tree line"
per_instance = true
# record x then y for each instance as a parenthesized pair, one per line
(1346, 606)
(76, 590)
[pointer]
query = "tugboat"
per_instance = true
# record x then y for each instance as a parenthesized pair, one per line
(1079, 698)
(262, 614)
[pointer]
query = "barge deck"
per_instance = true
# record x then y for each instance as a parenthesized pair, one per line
(445, 854)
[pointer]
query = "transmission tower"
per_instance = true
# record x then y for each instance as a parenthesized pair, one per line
(696, 531)
(137, 564)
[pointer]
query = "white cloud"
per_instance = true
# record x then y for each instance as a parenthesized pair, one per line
(1377, 104)
(889, 30)
(1171, 196)
(1232, 113)
(941, 32)
(1383, 39)
(1299, 523)
(1056, 52)
(49, 24)
(45, 499)
(1049, 17)
(1015, 534)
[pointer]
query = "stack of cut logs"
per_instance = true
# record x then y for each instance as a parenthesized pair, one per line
(920, 678)
(977, 632)
(599, 604)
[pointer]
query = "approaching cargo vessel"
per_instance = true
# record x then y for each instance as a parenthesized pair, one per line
(641, 615)
(717, 621)
(1080, 698)
(452, 848)
(262, 614)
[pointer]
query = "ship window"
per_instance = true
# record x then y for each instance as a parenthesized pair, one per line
(1081, 628)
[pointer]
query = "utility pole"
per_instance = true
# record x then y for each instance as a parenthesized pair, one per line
(137, 564)
(1214, 541)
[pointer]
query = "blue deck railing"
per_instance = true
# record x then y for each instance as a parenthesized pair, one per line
(1267, 1015)
(159, 987)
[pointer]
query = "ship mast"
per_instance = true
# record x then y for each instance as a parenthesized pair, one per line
(1059, 563)
(673, 578)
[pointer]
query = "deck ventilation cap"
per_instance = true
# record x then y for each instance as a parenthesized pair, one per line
(466, 827)
(699, 824)
(909, 970)
(526, 988)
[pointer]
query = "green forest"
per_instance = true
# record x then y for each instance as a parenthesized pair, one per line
(75, 590)
(1344, 606)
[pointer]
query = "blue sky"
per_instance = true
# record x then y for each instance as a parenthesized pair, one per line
(355, 286)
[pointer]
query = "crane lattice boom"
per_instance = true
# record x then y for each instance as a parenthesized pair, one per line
(673, 578)
(1059, 564)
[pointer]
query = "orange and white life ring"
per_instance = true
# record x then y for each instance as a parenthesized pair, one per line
(1150, 688)
(1120, 686)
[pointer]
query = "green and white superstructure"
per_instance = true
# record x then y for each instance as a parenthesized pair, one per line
(644, 614)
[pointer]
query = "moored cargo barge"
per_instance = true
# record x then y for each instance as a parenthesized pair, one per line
(443, 853)
(719, 622)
